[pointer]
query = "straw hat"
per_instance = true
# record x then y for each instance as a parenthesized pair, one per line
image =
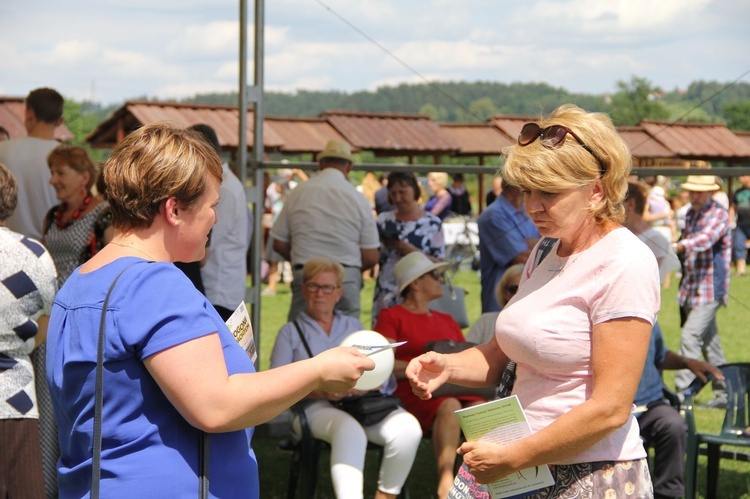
(413, 266)
(700, 183)
(337, 149)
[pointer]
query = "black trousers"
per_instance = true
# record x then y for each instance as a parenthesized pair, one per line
(666, 431)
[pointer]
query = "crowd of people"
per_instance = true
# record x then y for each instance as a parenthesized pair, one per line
(120, 278)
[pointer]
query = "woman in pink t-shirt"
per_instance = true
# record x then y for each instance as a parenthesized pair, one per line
(579, 326)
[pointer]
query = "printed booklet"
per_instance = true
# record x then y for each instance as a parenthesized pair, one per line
(240, 326)
(500, 421)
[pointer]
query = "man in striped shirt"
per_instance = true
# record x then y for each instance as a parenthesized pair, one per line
(706, 248)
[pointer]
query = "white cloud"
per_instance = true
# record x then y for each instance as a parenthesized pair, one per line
(218, 37)
(72, 52)
(115, 49)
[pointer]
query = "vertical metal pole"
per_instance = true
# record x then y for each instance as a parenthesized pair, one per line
(254, 193)
(257, 165)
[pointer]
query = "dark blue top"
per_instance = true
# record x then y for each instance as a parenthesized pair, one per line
(148, 448)
(503, 231)
(650, 387)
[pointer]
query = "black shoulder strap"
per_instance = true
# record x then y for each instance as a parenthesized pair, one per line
(99, 393)
(302, 337)
(543, 250)
(204, 443)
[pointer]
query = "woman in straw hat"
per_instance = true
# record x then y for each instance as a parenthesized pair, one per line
(578, 327)
(419, 282)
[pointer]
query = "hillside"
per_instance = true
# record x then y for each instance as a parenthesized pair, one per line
(477, 101)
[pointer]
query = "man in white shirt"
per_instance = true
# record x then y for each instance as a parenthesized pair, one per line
(224, 269)
(326, 216)
(26, 157)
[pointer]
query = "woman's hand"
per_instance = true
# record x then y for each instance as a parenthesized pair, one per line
(484, 461)
(340, 368)
(426, 374)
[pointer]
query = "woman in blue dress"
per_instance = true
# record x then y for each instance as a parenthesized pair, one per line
(172, 369)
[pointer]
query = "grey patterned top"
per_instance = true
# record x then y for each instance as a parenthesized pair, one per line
(27, 288)
(425, 233)
(72, 246)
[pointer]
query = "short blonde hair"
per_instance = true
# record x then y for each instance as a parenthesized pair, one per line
(510, 272)
(440, 178)
(319, 265)
(535, 167)
(154, 163)
(76, 158)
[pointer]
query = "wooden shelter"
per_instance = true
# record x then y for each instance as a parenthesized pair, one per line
(393, 134)
(134, 114)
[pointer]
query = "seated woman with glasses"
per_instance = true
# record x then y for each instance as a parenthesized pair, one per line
(318, 328)
(579, 326)
(419, 280)
(483, 330)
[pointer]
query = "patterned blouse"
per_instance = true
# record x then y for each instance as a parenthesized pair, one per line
(426, 233)
(27, 288)
(75, 244)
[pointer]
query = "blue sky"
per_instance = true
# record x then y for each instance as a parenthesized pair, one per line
(112, 50)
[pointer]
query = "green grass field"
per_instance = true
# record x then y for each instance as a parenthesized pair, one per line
(734, 478)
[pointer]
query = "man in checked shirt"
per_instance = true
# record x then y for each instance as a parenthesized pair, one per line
(706, 248)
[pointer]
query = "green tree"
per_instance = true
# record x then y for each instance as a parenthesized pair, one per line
(482, 109)
(686, 112)
(737, 115)
(430, 110)
(636, 101)
(81, 119)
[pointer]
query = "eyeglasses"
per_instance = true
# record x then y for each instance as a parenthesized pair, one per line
(437, 275)
(553, 137)
(512, 288)
(314, 287)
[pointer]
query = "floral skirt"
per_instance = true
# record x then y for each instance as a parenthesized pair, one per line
(603, 479)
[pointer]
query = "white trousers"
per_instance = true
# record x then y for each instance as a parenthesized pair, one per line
(399, 434)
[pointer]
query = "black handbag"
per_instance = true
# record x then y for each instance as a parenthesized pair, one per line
(370, 408)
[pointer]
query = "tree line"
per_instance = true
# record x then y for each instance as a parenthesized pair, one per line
(633, 101)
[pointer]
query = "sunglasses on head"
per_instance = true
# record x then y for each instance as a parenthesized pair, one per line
(512, 288)
(553, 137)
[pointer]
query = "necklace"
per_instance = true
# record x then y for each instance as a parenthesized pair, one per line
(76, 214)
(567, 264)
(130, 246)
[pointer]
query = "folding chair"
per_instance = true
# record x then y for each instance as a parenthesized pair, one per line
(737, 379)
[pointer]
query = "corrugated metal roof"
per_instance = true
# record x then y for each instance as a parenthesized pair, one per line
(642, 145)
(743, 135)
(708, 141)
(302, 135)
(396, 134)
(511, 125)
(12, 119)
(477, 139)
(223, 119)
(392, 134)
